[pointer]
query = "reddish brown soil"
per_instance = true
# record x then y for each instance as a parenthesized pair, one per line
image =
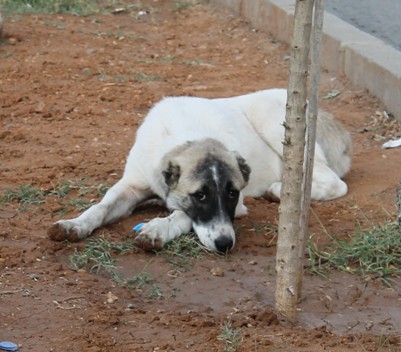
(72, 92)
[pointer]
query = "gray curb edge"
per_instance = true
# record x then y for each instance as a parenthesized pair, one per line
(367, 61)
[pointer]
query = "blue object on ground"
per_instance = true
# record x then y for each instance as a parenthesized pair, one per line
(136, 228)
(8, 346)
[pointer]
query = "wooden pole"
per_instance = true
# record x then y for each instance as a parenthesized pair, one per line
(312, 113)
(289, 245)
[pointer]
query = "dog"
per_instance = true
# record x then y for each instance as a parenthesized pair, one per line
(201, 157)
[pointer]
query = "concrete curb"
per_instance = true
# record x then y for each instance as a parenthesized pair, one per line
(367, 61)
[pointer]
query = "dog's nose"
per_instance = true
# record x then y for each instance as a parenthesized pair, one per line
(223, 243)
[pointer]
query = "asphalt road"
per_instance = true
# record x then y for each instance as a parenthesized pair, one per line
(380, 18)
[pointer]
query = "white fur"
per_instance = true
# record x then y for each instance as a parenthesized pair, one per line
(251, 125)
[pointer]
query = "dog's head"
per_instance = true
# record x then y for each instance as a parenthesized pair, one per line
(204, 180)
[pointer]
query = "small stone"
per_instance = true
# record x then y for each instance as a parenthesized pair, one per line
(34, 277)
(217, 272)
(111, 298)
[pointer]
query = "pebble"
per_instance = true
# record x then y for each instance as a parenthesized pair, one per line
(217, 272)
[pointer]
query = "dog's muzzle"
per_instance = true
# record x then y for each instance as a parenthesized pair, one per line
(224, 244)
(216, 237)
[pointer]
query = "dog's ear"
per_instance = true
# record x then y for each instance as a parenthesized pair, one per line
(171, 174)
(244, 168)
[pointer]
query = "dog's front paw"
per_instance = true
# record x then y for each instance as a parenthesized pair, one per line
(66, 230)
(150, 235)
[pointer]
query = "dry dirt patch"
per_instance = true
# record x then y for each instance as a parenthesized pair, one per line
(72, 92)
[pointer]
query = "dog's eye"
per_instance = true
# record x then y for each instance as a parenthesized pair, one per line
(200, 196)
(233, 193)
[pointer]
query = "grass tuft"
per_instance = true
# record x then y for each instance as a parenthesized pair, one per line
(141, 280)
(231, 337)
(98, 255)
(29, 194)
(24, 195)
(181, 252)
(373, 253)
(76, 7)
(181, 5)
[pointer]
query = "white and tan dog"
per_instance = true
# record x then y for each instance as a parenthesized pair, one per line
(201, 157)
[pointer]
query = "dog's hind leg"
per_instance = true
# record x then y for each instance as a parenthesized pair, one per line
(240, 209)
(119, 201)
(326, 185)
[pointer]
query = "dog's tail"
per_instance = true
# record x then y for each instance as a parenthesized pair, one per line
(336, 143)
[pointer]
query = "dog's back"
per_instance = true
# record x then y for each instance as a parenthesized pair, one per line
(266, 112)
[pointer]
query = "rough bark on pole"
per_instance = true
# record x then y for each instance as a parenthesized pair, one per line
(311, 118)
(288, 247)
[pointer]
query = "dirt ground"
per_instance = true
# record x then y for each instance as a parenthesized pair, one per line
(73, 90)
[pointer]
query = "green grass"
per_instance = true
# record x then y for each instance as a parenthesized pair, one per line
(131, 76)
(161, 60)
(138, 10)
(25, 195)
(373, 252)
(181, 5)
(80, 204)
(4, 41)
(388, 344)
(231, 337)
(155, 291)
(118, 35)
(63, 188)
(171, 59)
(143, 77)
(99, 257)
(139, 280)
(181, 252)
(7, 54)
(56, 24)
(31, 195)
(76, 7)
(143, 280)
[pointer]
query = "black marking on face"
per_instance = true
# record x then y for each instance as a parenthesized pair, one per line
(217, 197)
(244, 168)
(171, 175)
